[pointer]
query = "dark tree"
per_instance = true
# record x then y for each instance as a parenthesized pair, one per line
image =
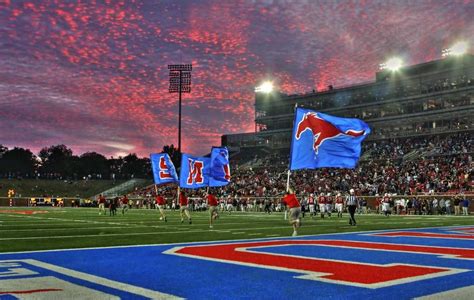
(93, 163)
(3, 149)
(115, 167)
(18, 162)
(135, 167)
(173, 153)
(57, 160)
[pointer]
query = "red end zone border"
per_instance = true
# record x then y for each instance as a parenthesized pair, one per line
(327, 270)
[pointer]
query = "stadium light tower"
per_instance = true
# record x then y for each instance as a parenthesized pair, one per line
(458, 49)
(180, 82)
(266, 88)
(393, 64)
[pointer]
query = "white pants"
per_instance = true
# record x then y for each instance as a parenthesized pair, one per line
(385, 206)
(339, 207)
(230, 207)
(311, 208)
(322, 208)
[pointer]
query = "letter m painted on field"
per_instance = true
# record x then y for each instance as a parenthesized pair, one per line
(195, 171)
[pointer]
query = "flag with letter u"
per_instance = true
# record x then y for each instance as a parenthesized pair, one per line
(194, 171)
(163, 168)
(220, 168)
(320, 140)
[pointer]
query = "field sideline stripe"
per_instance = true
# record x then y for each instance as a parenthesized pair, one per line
(213, 242)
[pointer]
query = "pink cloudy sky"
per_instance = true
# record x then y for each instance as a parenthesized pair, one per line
(92, 74)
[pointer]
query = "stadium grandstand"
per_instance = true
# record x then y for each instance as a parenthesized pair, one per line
(421, 140)
(429, 99)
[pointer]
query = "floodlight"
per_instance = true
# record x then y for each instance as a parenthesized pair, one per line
(266, 87)
(393, 64)
(457, 49)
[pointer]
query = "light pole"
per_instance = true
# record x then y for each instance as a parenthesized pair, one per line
(180, 82)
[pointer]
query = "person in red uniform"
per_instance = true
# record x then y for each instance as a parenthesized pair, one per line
(378, 204)
(294, 207)
(183, 207)
(212, 203)
(124, 204)
(322, 204)
(160, 204)
(339, 205)
(311, 205)
(102, 201)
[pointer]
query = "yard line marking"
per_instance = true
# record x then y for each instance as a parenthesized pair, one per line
(460, 293)
(102, 281)
(138, 233)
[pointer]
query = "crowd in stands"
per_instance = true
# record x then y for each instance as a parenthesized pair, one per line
(443, 165)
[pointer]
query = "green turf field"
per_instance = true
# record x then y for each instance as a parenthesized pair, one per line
(83, 227)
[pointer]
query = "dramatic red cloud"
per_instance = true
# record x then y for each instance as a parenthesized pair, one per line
(94, 75)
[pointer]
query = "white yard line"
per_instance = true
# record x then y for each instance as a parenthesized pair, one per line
(459, 294)
(214, 241)
(140, 233)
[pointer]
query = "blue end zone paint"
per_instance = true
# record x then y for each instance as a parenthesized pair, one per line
(149, 268)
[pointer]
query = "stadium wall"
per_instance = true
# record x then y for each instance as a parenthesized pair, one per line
(68, 202)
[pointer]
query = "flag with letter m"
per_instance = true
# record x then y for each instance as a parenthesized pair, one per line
(320, 140)
(194, 171)
(163, 168)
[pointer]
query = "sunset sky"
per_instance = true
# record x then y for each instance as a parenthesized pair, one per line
(93, 74)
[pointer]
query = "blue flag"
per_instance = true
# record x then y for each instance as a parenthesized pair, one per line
(194, 171)
(321, 140)
(163, 168)
(220, 168)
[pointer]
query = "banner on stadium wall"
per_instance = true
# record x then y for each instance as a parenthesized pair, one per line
(220, 167)
(320, 140)
(195, 171)
(163, 169)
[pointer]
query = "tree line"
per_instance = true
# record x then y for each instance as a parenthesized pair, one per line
(59, 162)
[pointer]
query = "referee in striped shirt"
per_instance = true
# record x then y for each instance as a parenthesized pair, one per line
(351, 203)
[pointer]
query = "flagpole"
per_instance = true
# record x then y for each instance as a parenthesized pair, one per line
(288, 181)
(289, 166)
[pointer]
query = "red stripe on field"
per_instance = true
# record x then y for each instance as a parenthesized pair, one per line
(467, 230)
(30, 291)
(426, 234)
(350, 272)
(457, 252)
